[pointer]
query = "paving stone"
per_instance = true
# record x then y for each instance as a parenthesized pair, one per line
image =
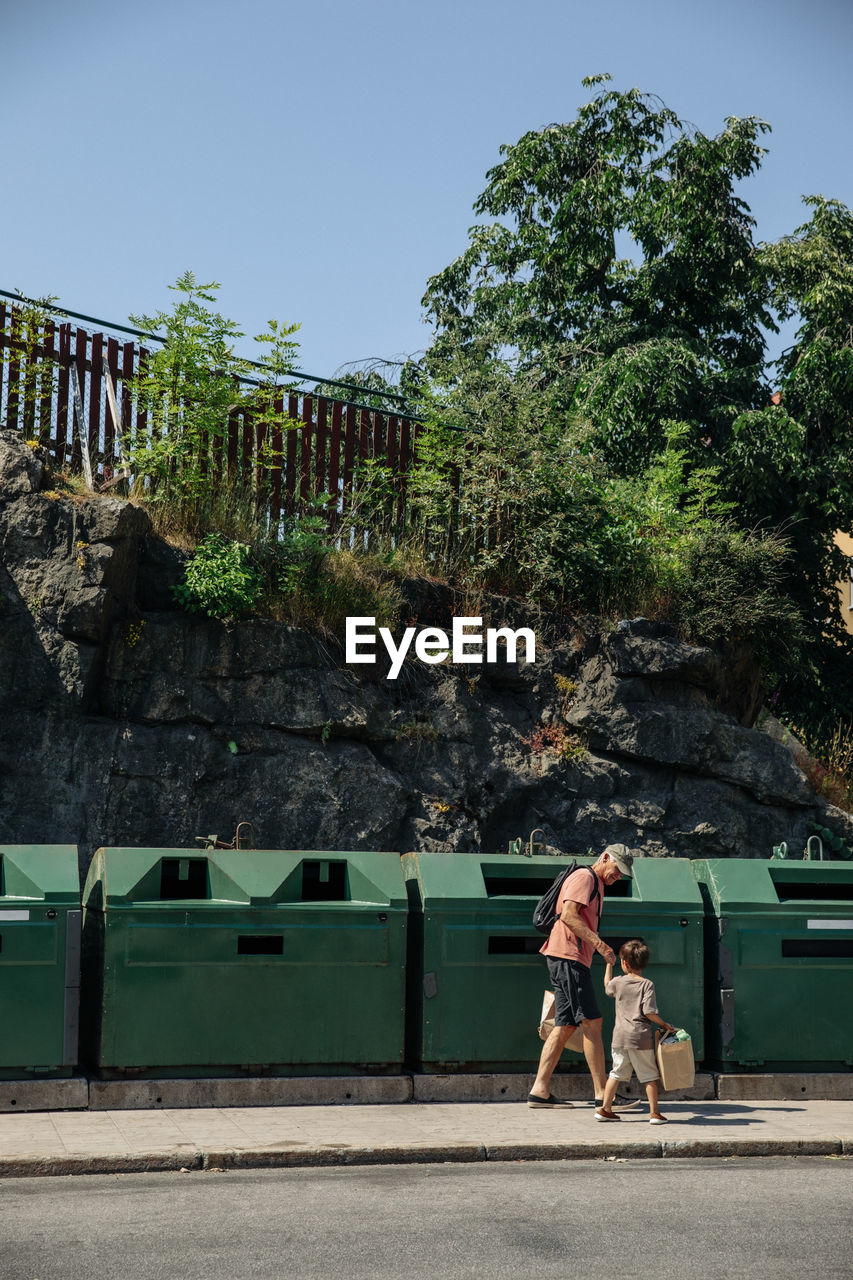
(121, 1140)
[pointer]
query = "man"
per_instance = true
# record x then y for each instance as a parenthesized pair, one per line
(568, 951)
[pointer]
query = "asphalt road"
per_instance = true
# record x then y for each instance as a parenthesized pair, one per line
(690, 1219)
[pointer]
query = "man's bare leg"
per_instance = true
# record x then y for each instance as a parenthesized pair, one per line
(593, 1050)
(549, 1057)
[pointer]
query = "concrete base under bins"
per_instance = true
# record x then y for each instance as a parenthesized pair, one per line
(816, 1085)
(69, 1094)
(78, 1094)
(515, 1088)
(153, 1095)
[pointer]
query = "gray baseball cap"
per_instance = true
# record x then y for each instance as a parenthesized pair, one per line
(623, 857)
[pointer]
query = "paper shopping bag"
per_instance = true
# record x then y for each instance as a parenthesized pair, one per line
(546, 1024)
(675, 1061)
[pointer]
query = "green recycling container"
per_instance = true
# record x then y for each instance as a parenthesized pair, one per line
(475, 977)
(779, 945)
(661, 905)
(249, 962)
(39, 960)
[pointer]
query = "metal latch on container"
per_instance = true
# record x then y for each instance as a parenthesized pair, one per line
(535, 844)
(244, 838)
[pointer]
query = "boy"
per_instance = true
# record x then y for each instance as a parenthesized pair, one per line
(633, 1046)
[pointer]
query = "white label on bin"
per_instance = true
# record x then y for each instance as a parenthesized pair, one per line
(829, 924)
(14, 915)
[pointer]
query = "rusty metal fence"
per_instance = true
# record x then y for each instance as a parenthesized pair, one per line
(74, 391)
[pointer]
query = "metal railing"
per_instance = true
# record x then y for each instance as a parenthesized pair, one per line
(75, 391)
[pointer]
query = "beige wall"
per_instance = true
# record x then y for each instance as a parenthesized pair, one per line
(845, 587)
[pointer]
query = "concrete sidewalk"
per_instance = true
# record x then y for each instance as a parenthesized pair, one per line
(128, 1141)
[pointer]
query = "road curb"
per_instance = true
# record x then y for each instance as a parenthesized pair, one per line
(102, 1162)
(289, 1156)
(684, 1148)
(580, 1149)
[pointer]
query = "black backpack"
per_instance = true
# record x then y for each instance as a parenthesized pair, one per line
(546, 908)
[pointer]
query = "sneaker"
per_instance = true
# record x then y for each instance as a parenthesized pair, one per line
(621, 1103)
(605, 1115)
(533, 1100)
(658, 1120)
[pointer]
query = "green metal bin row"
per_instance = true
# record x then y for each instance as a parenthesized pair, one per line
(476, 981)
(40, 921)
(779, 963)
(753, 957)
(277, 962)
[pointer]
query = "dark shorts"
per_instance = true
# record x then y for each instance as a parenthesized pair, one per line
(575, 999)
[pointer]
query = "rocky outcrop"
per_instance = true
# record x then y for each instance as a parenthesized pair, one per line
(126, 721)
(68, 570)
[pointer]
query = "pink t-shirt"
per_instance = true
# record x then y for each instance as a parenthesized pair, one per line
(580, 888)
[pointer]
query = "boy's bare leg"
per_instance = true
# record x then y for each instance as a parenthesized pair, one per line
(609, 1094)
(548, 1059)
(652, 1095)
(593, 1049)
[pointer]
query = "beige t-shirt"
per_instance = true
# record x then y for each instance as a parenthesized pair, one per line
(635, 997)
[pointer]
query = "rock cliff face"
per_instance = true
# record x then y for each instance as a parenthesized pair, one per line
(125, 721)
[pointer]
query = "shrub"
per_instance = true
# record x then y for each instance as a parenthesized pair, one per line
(555, 740)
(731, 587)
(296, 556)
(221, 580)
(515, 500)
(188, 389)
(828, 763)
(343, 584)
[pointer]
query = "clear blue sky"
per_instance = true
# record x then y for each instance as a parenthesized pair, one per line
(321, 159)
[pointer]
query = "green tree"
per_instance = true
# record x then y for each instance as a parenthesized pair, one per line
(620, 275)
(621, 267)
(791, 462)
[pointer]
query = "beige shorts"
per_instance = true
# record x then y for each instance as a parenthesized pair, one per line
(626, 1061)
